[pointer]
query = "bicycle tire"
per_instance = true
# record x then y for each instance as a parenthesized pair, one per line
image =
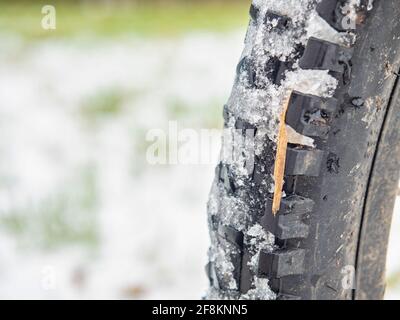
(329, 239)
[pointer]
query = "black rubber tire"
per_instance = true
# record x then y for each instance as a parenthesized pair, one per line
(337, 220)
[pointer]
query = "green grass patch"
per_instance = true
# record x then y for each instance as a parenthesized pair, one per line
(63, 219)
(75, 18)
(105, 103)
(201, 116)
(394, 280)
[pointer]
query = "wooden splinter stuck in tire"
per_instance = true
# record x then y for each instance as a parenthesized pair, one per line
(286, 135)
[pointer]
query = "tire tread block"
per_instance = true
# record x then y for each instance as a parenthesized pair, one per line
(330, 11)
(323, 55)
(301, 105)
(282, 263)
(303, 162)
(231, 234)
(288, 222)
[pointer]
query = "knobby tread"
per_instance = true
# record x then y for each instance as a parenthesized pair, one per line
(311, 116)
(316, 114)
(287, 267)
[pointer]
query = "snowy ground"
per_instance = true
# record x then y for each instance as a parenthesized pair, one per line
(82, 215)
(393, 264)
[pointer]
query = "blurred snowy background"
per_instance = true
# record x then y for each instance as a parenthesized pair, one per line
(82, 214)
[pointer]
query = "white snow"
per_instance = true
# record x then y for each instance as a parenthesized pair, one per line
(317, 27)
(393, 259)
(261, 291)
(150, 220)
(257, 240)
